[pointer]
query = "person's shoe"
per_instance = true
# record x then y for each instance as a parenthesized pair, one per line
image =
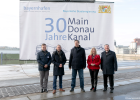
(111, 91)
(82, 89)
(54, 91)
(94, 90)
(61, 90)
(72, 89)
(105, 89)
(91, 88)
(45, 90)
(42, 91)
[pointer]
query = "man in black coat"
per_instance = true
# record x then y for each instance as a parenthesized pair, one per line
(59, 60)
(44, 61)
(77, 61)
(108, 66)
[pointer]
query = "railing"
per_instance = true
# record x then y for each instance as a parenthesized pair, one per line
(14, 58)
(128, 57)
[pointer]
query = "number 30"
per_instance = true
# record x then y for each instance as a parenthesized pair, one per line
(57, 25)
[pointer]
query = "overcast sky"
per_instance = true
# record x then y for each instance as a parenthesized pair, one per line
(126, 21)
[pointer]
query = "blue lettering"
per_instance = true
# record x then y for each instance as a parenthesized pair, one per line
(57, 25)
(50, 24)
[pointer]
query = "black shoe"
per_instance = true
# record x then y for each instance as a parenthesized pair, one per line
(72, 89)
(45, 90)
(105, 89)
(91, 89)
(82, 90)
(42, 91)
(94, 90)
(111, 91)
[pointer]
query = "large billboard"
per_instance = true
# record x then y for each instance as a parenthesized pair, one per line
(61, 23)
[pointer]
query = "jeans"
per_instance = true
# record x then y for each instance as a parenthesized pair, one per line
(55, 81)
(81, 77)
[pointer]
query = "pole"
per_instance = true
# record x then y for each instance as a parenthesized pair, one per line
(1, 57)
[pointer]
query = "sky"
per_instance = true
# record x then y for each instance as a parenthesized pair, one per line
(126, 21)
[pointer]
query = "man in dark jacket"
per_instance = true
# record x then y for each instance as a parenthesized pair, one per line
(44, 61)
(77, 61)
(108, 66)
(59, 60)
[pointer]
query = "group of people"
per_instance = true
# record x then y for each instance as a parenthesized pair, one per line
(77, 62)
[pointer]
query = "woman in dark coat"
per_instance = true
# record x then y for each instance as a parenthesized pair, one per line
(59, 60)
(93, 62)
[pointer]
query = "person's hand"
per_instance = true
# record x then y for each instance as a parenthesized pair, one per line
(60, 65)
(70, 68)
(46, 66)
(83, 68)
(92, 64)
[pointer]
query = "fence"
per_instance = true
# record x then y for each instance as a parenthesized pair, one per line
(14, 58)
(134, 57)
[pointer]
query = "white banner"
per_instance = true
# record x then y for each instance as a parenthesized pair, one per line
(56, 23)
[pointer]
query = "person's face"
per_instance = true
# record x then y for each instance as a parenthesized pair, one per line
(106, 48)
(43, 47)
(76, 43)
(58, 48)
(93, 51)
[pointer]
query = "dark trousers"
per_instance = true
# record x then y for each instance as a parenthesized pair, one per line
(55, 82)
(111, 80)
(94, 77)
(81, 77)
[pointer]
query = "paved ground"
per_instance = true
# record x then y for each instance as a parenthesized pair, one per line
(124, 90)
(128, 63)
(28, 81)
(22, 89)
(8, 72)
(127, 92)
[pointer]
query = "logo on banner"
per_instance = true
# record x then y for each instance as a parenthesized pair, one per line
(37, 8)
(104, 9)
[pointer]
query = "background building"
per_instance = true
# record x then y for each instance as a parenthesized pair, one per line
(133, 48)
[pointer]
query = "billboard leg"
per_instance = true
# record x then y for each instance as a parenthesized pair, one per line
(1, 57)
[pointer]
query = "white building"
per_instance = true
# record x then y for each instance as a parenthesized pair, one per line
(120, 49)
